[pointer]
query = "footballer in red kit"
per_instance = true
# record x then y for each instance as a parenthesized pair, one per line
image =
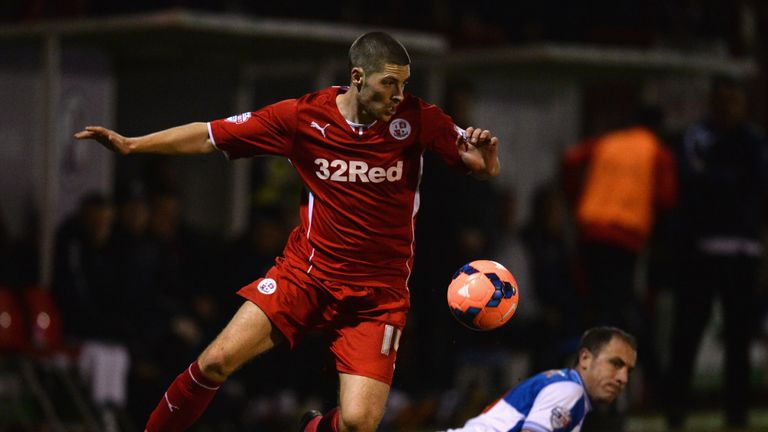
(358, 150)
(358, 215)
(362, 187)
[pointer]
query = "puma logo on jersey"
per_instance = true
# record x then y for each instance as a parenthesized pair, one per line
(314, 125)
(356, 171)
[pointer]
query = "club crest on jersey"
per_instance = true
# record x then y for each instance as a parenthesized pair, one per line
(560, 418)
(400, 129)
(267, 286)
(240, 118)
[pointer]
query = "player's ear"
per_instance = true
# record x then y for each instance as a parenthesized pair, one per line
(584, 356)
(357, 77)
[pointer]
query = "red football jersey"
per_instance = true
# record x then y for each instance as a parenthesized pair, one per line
(358, 213)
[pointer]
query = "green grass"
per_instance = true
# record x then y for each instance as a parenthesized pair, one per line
(698, 421)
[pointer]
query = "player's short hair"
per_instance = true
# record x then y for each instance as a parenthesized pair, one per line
(373, 50)
(595, 338)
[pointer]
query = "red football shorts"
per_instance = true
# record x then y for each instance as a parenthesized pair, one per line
(364, 337)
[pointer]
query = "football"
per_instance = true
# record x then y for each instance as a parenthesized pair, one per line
(482, 295)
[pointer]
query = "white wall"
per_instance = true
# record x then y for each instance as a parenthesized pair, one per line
(534, 120)
(20, 136)
(86, 98)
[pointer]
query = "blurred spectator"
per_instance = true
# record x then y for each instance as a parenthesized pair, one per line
(618, 182)
(186, 255)
(489, 362)
(86, 290)
(182, 308)
(255, 251)
(137, 261)
(163, 301)
(138, 267)
(724, 179)
(453, 226)
(551, 279)
(181, 276)
(84, 276)
(475, 211)
(461, 223)
(272, 404)
(511, 251)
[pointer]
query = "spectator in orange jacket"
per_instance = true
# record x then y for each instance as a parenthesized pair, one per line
(618, 183)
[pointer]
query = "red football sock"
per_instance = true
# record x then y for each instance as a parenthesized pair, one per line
(312, 425)
(184, 401)
(329, 422)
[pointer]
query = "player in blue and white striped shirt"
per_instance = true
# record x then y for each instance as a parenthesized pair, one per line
(558, 400)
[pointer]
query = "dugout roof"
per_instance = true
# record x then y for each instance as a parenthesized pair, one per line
(596, 61)
(178, 33)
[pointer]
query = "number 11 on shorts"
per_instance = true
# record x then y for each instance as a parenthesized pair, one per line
(389, 342)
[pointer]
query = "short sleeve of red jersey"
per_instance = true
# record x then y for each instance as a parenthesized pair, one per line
(268, 131)
(439, 133)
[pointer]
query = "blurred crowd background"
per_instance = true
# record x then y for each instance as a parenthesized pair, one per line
(139, 285)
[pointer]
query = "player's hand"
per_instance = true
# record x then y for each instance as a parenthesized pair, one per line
(108, 138)
(475, 137)
(478, 152)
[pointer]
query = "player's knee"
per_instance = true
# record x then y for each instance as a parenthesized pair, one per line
(216, 364)
(359, 418)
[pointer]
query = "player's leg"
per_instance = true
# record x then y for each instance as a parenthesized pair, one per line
(365, 352)
(361, 406)
(736, 297)
(692, 310)
(247, 335)
(361, 403)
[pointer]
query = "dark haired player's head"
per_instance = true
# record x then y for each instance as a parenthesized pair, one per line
(379, 70)
(373, 50)
(606, 357)
(96, 217)
(596, 338)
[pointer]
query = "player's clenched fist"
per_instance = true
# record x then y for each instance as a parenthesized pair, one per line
(108, 138)
(477, 148)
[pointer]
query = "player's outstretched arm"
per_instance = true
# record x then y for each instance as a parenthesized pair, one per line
(479, 153)
(191, 138)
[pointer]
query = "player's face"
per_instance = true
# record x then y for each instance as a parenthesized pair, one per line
(381, 92)
(606, 374)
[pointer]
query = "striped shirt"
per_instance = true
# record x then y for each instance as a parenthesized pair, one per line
(555, 400)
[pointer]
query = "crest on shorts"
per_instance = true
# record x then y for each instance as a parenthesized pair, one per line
(267, 286)
(400, 129)
(240, 118)
(560, 418)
